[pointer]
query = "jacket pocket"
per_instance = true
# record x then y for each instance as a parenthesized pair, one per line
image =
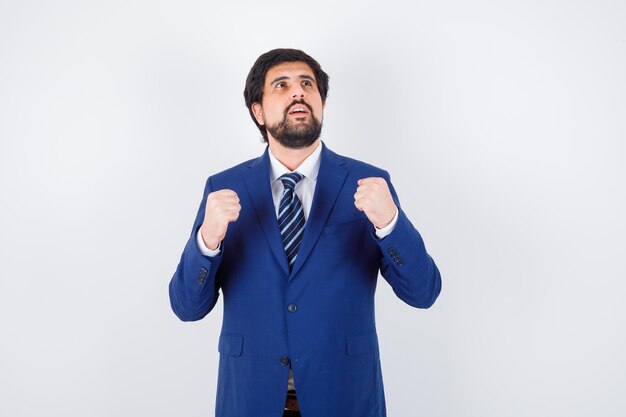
(230, 344)
(361, 343)
(343, 227)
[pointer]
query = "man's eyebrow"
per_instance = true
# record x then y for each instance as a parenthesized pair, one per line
(284, 77)
(277, 79)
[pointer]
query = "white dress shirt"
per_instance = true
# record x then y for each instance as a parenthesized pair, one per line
(305, 188)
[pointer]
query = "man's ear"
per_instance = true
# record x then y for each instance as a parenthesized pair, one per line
(257, 110)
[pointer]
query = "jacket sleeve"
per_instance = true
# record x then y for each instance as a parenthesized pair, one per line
(194, 289)
(404, 262)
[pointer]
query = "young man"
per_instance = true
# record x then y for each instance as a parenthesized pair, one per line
(295, 240)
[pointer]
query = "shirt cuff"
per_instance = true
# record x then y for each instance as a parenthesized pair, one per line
(381, 233)
(203, 249)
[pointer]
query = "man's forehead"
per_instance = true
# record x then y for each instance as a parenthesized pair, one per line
(288, 70)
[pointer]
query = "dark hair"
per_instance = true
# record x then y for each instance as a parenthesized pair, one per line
(253, 92)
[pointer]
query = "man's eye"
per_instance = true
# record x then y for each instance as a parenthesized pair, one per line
(307, 83)
(280, 85)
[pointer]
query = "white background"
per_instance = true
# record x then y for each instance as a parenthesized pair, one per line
(501, 123)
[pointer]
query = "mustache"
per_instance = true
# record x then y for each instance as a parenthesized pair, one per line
(301, 101)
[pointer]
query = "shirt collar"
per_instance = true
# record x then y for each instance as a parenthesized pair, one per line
(309, 167)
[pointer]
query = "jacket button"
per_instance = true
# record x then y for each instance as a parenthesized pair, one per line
(292, 308)
(202, 275)
(284, 361)
(392, 252)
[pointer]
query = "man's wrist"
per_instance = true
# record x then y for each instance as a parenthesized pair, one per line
(384, 231)
(209, 243)
(204, 248)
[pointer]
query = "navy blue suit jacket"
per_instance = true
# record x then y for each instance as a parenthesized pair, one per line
(318, 318)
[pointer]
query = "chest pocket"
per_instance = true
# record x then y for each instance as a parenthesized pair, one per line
(344, 227)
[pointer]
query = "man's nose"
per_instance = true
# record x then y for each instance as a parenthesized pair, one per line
(297, 91)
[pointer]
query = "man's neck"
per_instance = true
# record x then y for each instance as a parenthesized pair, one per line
(289, 157)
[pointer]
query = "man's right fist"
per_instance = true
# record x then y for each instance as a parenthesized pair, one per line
(222, 207)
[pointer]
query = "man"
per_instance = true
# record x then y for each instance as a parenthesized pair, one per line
(295, 240)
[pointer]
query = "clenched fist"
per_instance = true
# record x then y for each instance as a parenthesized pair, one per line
(222, 207)
(374, 199)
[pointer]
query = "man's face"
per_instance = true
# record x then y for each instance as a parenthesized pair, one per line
(292, 108)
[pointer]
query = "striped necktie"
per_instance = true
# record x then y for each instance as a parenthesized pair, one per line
(291, 216)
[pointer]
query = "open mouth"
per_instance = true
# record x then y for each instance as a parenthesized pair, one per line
(299, 110)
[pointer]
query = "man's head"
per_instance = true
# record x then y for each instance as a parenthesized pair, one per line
(285, 93)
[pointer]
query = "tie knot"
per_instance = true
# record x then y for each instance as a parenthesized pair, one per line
(290, 180)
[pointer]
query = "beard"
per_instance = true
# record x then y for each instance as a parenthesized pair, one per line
(296, 134)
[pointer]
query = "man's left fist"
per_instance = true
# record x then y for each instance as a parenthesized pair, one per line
(374, 199)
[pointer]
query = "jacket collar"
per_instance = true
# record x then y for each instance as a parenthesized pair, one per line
(309, 167)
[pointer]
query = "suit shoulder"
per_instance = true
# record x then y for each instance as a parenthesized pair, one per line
(231, 172)
(364, 168)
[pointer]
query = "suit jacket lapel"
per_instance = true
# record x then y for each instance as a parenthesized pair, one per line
(257, 179)
(330, 179)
